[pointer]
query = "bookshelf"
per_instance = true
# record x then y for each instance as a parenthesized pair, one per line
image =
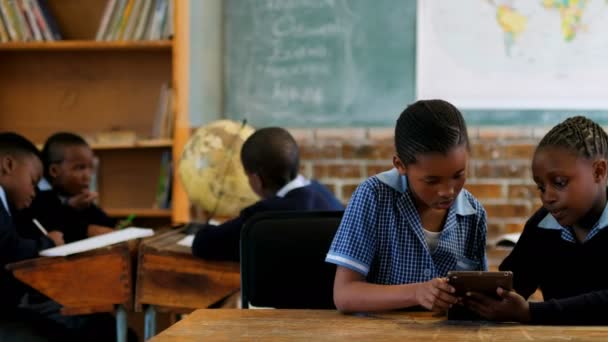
(89, 87)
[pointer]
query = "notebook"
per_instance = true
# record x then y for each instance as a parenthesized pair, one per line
(98, 241)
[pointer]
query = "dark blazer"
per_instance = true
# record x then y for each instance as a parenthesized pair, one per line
(48, 208)
(14, 248)
(222, 242)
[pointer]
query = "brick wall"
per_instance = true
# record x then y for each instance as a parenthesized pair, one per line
(499, 172)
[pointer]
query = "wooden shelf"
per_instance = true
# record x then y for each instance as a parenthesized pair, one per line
(87, 45)
(139, 212)
(149, 143)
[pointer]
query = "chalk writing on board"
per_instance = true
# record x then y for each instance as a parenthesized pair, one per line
(312, 62)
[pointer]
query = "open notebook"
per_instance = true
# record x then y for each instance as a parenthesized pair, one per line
(98, 241)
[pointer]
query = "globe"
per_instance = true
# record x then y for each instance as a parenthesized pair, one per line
(211, 170)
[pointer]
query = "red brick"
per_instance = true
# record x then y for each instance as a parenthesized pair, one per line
(519, 151)
(494, 229)
(304, 170)
(485, 190)
(331, 187)
(522, 191)
(376, 169)
(336, 171)
(507, 210)
(368, 151)
(487, 150)
(502, 170)
(347, 191)
(324, 151)
(514, 227)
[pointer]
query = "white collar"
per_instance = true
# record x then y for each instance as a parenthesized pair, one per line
(44, 185)
(4, 201)
(298, 182)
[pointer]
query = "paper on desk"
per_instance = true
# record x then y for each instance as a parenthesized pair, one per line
(98, 241)
(187, 241)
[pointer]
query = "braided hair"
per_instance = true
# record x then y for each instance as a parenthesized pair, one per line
(428, 126)
(579, 134)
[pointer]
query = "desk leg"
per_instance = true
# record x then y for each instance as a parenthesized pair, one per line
(121, 324)
(150, 323)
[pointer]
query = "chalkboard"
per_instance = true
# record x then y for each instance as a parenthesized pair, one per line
(333, 63)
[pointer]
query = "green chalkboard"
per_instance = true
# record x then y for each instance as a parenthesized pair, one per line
(333, 63)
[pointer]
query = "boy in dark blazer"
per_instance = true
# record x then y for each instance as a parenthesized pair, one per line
(64, 201)
(20, 171)
(271, 159)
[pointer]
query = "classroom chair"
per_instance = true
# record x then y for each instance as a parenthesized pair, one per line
(283, 260)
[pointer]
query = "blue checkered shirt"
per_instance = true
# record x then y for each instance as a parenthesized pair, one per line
(381, 235)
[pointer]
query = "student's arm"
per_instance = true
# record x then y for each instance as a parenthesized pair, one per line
(14, 248)
(588, 308)
(353, 293)
(523, 259)
(219, 242)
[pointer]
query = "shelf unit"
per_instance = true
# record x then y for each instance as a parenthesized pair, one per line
(87, 87)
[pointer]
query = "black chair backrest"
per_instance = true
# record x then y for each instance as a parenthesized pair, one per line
(283, 260)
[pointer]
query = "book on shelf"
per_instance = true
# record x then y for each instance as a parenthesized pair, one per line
(27, 20)
(127, 20)
(164, 187)
(163, 119)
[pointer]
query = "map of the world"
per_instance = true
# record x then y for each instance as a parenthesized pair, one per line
(529, 54)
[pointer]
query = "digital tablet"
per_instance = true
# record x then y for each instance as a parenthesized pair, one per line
(480, 281)
(476, 281)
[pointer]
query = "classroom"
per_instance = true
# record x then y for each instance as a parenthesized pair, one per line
(184, 170)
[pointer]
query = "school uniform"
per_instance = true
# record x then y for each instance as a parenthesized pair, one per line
(570, 274)
(14, 248)
(382, 238)
(17, 324)
(222, 242)
(52, 210)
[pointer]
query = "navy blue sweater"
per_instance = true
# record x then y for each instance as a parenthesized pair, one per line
(571, 276)
(222, 242)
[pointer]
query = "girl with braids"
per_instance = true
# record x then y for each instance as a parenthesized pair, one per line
(564, 244)
(404, 229)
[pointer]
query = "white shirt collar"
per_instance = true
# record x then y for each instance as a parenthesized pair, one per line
(4, 201)
(298, 182)
(44, 185)
(393, 179)
(549, 222)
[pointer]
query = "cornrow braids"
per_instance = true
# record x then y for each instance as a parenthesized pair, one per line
(428, 126)
(579, 134)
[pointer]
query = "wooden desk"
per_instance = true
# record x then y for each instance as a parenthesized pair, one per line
(96, 281)
(327, 325)
(170, 279)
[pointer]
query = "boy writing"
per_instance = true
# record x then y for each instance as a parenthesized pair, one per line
(20, 171)
(64, 201)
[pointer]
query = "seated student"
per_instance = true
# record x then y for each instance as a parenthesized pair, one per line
(20, 170)
(271, 159)
(404, 229)
(64, 201)
(564, 244)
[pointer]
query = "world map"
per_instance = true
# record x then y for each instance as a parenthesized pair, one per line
(514, 23)
(513, 54)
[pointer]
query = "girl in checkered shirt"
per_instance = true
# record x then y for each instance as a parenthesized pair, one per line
(404, 229)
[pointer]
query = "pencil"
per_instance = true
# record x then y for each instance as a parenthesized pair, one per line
(40, 227)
